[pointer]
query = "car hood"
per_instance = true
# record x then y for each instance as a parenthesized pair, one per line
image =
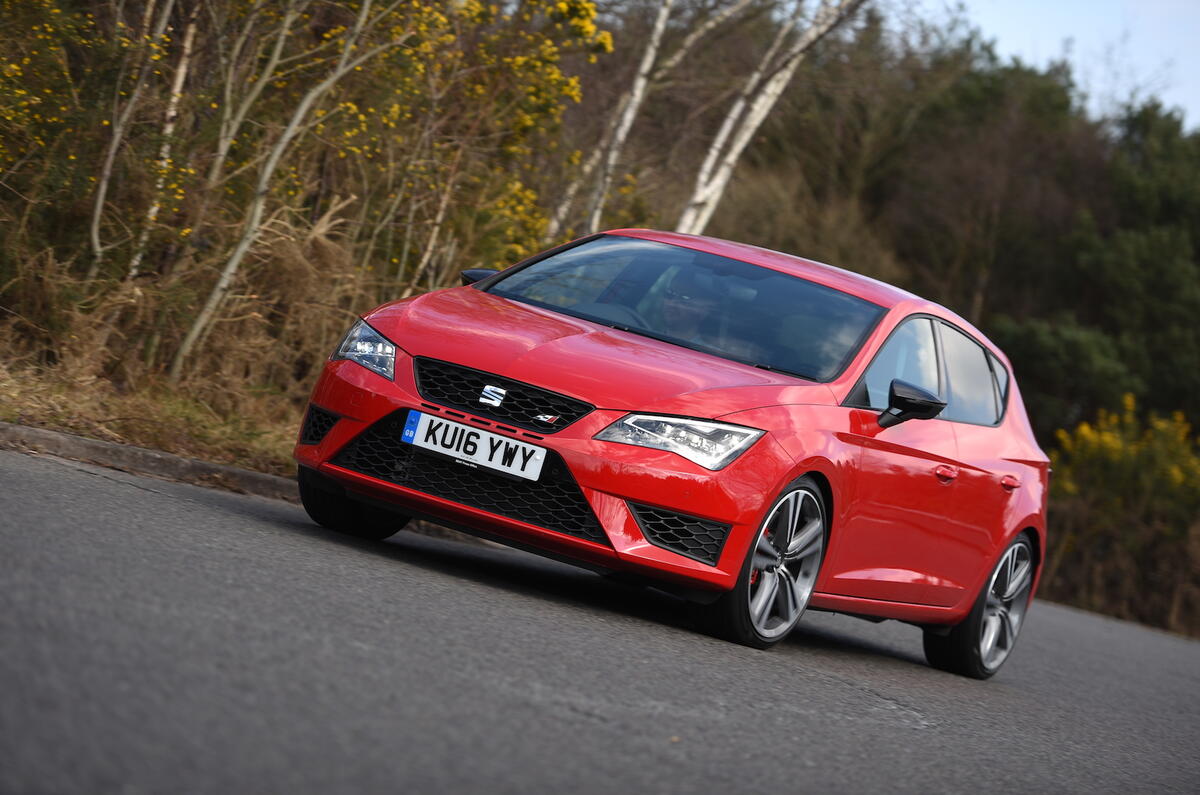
(609, 368)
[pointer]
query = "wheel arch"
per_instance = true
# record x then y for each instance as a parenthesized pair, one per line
(822, 481)
(1038, 541)
(1032, 524)
(1035, 538)
(824, 474)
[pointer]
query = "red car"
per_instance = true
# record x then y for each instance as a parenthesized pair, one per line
(756, 432)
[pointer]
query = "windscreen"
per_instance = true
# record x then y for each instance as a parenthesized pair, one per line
(702, 301)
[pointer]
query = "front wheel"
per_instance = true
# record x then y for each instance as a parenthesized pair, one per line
(779, 572)
(328, 506)
(979, 645)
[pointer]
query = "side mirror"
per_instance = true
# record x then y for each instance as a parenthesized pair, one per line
(472, 275)
(909, 402)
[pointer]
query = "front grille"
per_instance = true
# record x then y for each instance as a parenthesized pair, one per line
(554, 501)
(700, 539)
(461, 387)
(317, 423)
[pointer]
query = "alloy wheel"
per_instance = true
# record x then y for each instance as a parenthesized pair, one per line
(787, 557)
(1004, 610)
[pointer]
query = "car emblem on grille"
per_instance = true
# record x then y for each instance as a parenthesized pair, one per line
(549, 419)
(492, 395)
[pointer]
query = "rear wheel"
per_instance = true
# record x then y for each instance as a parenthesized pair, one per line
(327, 504)
(979, 645)
(779, 573)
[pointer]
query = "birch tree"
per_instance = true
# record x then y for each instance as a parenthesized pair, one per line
(355, 51)
(631, 104)
(236, 103)
(254, 60)
(650, 74)
(168, 133)
(754, 103)
(122, 118)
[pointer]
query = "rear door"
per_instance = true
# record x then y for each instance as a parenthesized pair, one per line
(987, 481)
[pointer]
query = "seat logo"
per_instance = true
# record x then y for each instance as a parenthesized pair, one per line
(492, 395)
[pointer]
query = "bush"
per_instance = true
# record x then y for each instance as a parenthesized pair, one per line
(1125, 519)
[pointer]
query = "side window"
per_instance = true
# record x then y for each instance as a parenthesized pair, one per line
(972, 388)
(910, 355)
(1001, 380)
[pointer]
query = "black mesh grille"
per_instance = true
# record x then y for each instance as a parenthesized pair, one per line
(696, 538)
(460, 387)
(554, 501)
(317, 423)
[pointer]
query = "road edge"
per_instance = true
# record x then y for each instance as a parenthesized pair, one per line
(160, 464)
(144, 461)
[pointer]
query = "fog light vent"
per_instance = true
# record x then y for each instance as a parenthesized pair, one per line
(696, 538)
(317, 423)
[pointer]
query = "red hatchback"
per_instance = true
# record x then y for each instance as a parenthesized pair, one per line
(756, 432)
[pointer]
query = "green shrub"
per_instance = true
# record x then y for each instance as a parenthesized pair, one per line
(1125, 519)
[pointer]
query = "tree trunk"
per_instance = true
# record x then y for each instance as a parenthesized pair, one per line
(435, 232)
(234, 112)
(748, 113)
(608, 147)
(164, 150)
(637, 93)
(559, 217)
(120, 124)
(744, 97)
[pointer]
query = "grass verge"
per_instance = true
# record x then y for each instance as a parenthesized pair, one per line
(259, 436)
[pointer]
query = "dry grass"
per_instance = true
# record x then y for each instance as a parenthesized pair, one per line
(258, 436)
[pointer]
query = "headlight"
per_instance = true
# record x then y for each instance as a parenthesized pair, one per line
(366, 346)
(712, 445)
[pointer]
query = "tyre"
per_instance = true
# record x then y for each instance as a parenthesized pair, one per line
(779, 572)
(327, 504)
(980, 644)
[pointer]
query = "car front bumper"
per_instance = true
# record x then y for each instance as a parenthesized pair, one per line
(616, 480)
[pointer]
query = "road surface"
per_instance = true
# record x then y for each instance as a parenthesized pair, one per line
(160, 637)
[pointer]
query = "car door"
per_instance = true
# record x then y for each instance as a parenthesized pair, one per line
(905, 495)
(988, 478)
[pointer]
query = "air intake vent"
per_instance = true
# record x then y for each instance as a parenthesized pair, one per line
(317, 423)
(699, 539)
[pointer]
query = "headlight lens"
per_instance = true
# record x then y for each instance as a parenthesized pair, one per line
(366, 346)
(712, 445)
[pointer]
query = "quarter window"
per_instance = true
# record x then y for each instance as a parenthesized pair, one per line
(1001, 380)
(972, 388)
(910, 355)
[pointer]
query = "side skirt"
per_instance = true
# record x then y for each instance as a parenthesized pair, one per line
(876, 609)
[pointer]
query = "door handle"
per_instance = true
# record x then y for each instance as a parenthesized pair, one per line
(1008, 483)
(945, 473)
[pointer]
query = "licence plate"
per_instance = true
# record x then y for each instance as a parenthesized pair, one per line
(474, 445)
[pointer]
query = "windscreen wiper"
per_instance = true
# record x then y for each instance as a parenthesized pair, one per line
(772, 368)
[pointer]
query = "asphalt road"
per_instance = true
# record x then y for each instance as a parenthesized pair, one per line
(159, 637)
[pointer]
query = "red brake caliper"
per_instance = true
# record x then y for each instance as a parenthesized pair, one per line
(753, 571)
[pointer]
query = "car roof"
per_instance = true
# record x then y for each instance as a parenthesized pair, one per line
(856, 284)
